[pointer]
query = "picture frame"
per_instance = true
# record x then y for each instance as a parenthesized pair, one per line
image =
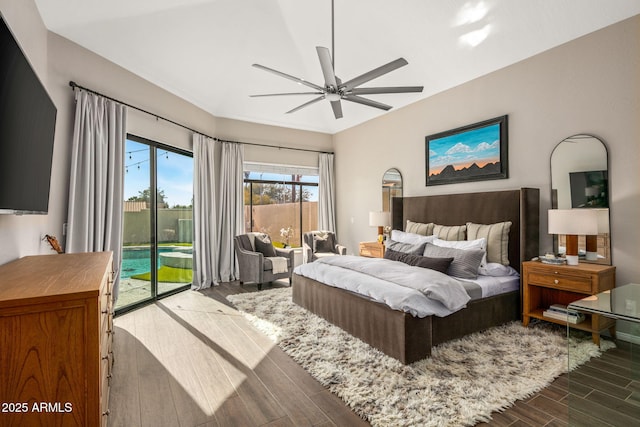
(475, 152)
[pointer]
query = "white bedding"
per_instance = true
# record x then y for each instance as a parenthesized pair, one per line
(415, 290)
(418, 291)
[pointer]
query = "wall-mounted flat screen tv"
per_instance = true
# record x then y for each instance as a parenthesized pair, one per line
(589, 189)
(27, 128)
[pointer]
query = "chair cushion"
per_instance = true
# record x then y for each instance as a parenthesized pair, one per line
(319, 255)
(264, 245)
(324, 243)
(267, 265)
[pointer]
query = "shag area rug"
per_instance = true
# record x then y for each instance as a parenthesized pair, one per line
(460, 384)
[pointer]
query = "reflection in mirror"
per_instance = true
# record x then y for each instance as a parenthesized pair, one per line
(391, 187)
(579, 179)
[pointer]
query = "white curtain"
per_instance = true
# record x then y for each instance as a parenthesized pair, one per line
(231, 211)
(326, 193)
(205, 255)
(96, 188)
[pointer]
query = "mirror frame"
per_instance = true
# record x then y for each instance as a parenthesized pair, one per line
(604, 237)
(387, 195)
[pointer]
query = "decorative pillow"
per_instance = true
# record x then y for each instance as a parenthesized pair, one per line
(452, 232)
(497, 236)
(419, 228)
(401, 236)
(408, 248)
(465, 262)
(438, 264)
(466, 245)
(264, 245)
(323, 243)
(497, 270)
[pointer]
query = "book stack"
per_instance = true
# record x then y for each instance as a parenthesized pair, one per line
(560, 312)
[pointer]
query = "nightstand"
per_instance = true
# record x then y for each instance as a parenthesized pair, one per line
(546, 284)
(372, 249)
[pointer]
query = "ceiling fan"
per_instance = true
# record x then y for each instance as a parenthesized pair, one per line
(334, 90)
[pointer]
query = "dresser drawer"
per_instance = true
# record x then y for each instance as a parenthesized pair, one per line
(573, 282)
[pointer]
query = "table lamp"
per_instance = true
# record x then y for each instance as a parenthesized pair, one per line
(573, 222)
(380, 220)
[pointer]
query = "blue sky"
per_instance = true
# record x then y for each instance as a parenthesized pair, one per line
(175, 173)
(461, 150)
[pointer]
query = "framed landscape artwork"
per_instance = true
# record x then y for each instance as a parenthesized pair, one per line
(474, 152)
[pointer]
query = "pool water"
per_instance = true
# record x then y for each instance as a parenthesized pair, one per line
(137, 261)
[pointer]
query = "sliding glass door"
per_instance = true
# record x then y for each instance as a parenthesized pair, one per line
(157, 227)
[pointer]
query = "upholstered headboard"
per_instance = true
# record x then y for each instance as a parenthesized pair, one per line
(521, 207)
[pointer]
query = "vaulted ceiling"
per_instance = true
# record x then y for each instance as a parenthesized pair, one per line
(202, 50)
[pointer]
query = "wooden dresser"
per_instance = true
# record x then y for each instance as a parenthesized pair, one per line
(56, 328)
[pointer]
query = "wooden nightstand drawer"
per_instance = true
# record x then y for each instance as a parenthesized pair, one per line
(372, 249)
(577, 283)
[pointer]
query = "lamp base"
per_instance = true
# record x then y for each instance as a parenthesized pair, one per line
(572, 259)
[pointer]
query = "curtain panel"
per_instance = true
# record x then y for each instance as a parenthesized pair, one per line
(231, 211)
(96, 188)
(205, 255)
(326, 193)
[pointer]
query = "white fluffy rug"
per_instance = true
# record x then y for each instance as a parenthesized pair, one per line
(461, 384)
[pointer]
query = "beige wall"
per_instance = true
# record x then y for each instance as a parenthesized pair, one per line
(589, 85)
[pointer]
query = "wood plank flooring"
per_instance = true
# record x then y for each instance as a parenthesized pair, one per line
(192, 360)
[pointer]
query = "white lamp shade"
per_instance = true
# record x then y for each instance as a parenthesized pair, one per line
(603, 220)
(574, 221)
(379, 219)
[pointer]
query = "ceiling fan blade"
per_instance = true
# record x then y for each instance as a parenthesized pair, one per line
(337, 109)
(377, 72)
(376, 90)
(327, 67)
(287, 76)
(368, 102)
(306, 104)
(283, 94)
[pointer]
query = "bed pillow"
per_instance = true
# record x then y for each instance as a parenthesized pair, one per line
(496, 269)
(264, 246)
(465, 263)
(408, 248)
(323, 243)
(438, 264)
(401, 236)
(497, 236)
(419, 228)
(450, 232)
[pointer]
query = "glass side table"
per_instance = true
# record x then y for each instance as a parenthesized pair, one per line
(605, 388)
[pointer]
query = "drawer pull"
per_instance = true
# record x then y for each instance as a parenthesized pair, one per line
(106, 413)
(105, 357)
(556, 281)
(105, 312)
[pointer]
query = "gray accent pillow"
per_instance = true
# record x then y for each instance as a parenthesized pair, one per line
(465, 262)
(438, 264)
(408, 248)
(323, 243)
(264, 246)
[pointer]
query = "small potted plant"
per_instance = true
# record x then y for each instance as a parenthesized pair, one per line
(286, 234)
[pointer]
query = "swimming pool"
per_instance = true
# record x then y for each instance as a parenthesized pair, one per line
(136, 260)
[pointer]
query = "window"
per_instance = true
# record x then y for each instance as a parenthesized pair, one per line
(281, 201)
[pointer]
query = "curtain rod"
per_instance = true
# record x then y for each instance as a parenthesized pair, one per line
(74, 85)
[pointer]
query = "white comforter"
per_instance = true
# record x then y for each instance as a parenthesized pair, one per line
(415, 290)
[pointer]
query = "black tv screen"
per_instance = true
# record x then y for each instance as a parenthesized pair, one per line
(589, 189)
(27, 128)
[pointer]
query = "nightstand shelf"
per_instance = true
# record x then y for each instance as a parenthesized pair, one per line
(544, 285)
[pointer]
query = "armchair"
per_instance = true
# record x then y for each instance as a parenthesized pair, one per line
(317, 244)
(259, 261)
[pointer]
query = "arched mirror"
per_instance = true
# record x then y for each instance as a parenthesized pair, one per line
(580, 179)
(392, 196)
(391, 187)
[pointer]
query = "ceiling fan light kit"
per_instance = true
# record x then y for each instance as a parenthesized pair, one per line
(334, 90)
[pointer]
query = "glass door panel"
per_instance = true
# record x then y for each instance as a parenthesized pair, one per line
(137, 248)
(175, 220)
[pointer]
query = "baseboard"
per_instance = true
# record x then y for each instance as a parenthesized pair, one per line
(634, 339)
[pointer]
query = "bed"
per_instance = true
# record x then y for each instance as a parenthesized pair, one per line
(408, 338)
